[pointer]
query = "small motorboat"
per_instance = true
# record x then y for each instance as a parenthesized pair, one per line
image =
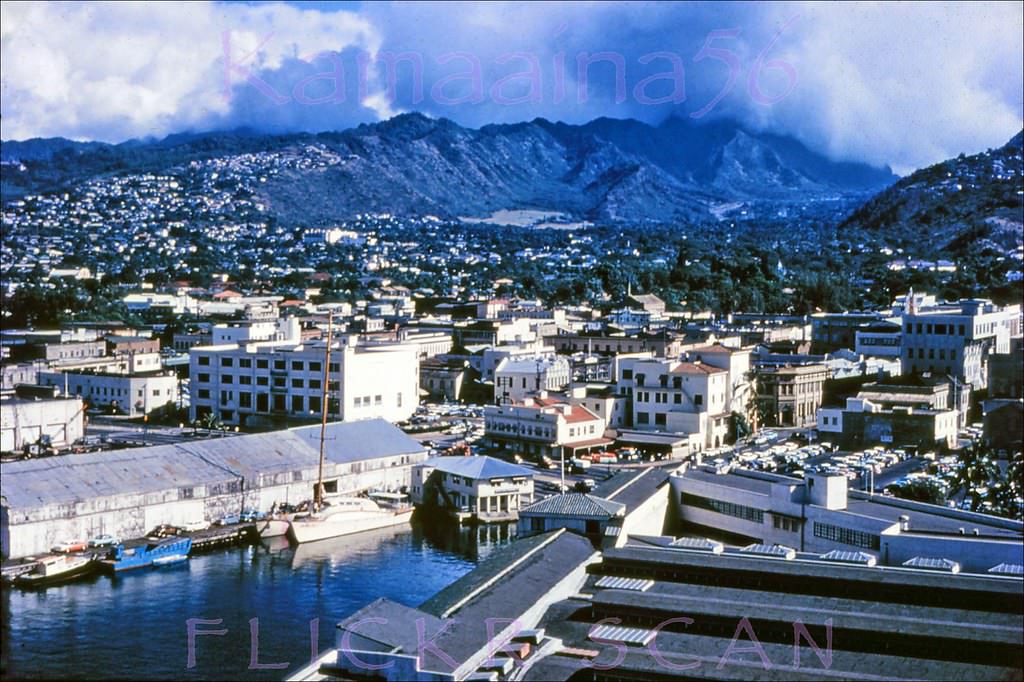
(53, 570)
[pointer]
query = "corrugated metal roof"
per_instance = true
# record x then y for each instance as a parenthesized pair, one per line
(574, 504)
(354, 441)
(69, 479)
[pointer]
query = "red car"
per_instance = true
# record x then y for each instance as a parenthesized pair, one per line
(68, 547)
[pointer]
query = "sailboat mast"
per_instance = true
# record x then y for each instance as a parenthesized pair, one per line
(318, 496)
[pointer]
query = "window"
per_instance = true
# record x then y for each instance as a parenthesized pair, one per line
(399, 399)
(297, 383)
(262, 364)
(659, 418)
(262, 381)
(227, 362)
(357, 402)
(314, 403)
(204, 393)
(698, 399)
(314, 383)
(204, 378)
(204, 359)
(315, 367)
(335, 367)
(663, 380)
(643, 418)
(728, 508)
(297, 403)
(244, 399)
(227, 379)
(279, 364)
(245, 362)
(677, 398)
(296, 366)
(378, 400)
(279, 382)
(785, 523)
(627, 374)
(846, 536)
(245, 379)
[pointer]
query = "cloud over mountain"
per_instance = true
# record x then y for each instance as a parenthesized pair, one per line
(903, 85)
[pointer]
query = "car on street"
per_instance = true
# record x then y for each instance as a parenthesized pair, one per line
(69, 546)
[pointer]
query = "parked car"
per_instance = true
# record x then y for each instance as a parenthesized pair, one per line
(228, 520)
(193, 526)
(69, 546)
(164, 530)
(250, 515)
(104, 540)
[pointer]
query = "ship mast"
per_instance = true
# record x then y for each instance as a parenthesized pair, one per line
(318, 495)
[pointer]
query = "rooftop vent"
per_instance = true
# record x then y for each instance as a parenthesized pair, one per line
(933, 564)
(617, 633)
(1007, 569)
(700, 544)
(780, 551)
(850, 557)
(614, 582)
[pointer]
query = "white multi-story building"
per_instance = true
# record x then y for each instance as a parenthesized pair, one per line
(677, 397)
(480, 488)
(957, 338)
(287, 330)
(736, 361)
(26, 421)
(879, 339)
(132, 394)
(516, 379)
(267, 381)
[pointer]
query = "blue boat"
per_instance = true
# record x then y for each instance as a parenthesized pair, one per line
(122, 559)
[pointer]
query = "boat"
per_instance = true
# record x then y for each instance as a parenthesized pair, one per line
(346, 516)
(276, 523)
(342, 515)
(53, 570)
(122, 559)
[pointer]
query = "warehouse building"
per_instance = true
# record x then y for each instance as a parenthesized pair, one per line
(126, 493)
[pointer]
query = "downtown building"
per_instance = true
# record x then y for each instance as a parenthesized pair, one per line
(267, 383)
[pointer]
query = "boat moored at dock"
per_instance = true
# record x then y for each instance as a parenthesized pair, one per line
(122, 559)
(54, 570)
(346, 516)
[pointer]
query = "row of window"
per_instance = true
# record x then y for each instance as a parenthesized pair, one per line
(846, 536)
(786, 524)
(728, 508)
(939, 329)
(263, 363)
(931, 353)
(645, 418)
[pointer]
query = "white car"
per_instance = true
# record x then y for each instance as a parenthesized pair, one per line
(193, 526)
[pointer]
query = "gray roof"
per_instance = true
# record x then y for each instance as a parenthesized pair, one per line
(71, 479)
(574, 504)
(354, 441)
(632, 487)
(476, 467)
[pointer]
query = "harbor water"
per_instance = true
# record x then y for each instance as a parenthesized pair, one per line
(267, 598)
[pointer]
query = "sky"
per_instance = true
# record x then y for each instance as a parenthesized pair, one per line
(902, 84)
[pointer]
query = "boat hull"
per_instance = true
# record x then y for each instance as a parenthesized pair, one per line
(30, 581)
(170, 560)
(272, 528)
(311, 530)
(142, 557)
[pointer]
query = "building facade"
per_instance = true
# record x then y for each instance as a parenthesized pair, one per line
(272, 381)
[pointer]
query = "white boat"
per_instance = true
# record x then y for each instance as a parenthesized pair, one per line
(274, 526)
(346, 516)
(53, 570)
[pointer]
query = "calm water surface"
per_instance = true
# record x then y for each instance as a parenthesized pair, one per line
(134, 625)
